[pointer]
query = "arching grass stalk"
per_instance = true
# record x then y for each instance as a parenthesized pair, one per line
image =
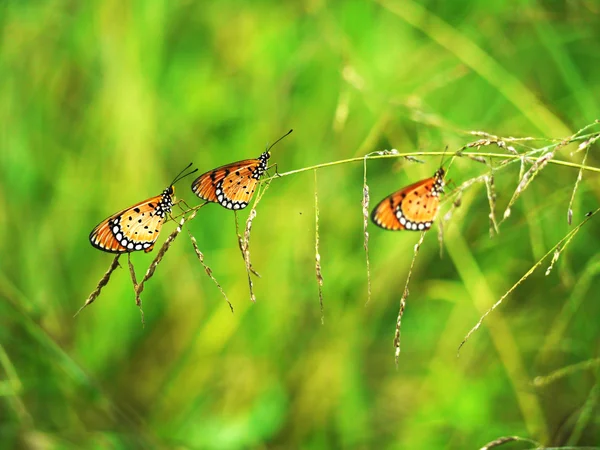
(565, 240)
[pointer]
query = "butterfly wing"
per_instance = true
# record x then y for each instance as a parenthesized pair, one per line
(411, 208)
(232, 185)
(134, 228)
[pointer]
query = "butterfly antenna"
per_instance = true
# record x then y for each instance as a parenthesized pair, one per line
(271, 146)
(181, 174)
(450, 158)
(443, 154)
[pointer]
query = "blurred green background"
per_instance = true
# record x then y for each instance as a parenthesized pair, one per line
(102, 103)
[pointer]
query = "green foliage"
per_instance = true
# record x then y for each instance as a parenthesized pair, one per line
(103, 102)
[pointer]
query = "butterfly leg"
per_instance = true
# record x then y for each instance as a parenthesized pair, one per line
(277, 174)
(179, 202)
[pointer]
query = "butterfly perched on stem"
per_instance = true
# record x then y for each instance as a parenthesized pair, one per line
(137, 227)
(233, 185)
(413, 207)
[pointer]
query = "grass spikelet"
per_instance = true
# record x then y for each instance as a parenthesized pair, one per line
(365, 211)
(245, 241)
(562, 243)
(526, 180)
(161, 253)
(318, 273)
(403, 300)
(577, 181)
(138, 300)
(208, 270)
(553, 261)
(103, 282)
(491, 195)
(242, 247)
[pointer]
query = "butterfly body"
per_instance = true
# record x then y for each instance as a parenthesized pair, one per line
(134, 228)
(137, 227)
(413, 207)
(232, 185)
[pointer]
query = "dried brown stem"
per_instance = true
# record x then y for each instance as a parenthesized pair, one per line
(403, 299)
(103, 282)
(138, 300)
(365, 210)
(161, 253)
(318, 273)
(208, 269)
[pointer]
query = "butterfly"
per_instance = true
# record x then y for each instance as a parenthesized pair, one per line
(413, 207)
(233, 185)
(137, 227)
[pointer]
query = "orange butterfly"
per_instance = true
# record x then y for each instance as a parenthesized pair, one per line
(137, 227)
(413, 207)
(233, 185)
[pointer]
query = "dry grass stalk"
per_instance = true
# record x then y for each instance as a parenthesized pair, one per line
(208, 269)
(503, 440)
(403, 299)
(365, 210)
(244, 242)
(561, 244)
(242, 247)
(138, 300)
(318, 273)
(103, 282)
(161, 253)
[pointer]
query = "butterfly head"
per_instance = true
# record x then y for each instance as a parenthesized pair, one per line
(438, 183)
(170, 191)
(267, 154)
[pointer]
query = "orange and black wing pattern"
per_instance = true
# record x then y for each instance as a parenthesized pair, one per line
(411, 208)
(232, 185)
(134, 228)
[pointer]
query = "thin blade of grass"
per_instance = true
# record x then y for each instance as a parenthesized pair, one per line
(103, 282)
(541, 381)
(587, 413)
(566, 239)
